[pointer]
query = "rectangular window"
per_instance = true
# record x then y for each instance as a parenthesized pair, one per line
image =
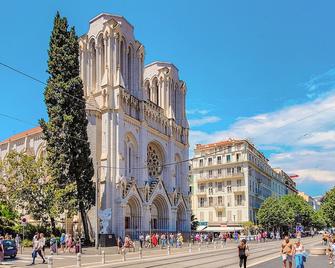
(201, 163)
(237, 157)
(220, 200)
(219, 215)
(202, 202)
(228, 158)
(210, 161)
(229, 189)
(220, 186)
(239, 183)
(219, 160)
(219, 171)
(238, 169)
(210, 201)
(210, 173)
(228, 183)
(238, 200)
(201, 187)
(229, 171)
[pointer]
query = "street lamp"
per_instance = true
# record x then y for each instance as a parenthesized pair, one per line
(97, 229)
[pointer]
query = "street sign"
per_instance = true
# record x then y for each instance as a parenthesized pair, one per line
(203, 223)
(24, 222)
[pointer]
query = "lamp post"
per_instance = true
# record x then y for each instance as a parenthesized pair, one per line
(97, 229)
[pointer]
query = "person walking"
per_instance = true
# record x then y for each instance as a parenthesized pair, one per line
(141, 238)
(286, 252)
(243, 252)
(62, 242)
(299, 254)
(18, 241)
(37, 248)
(53, 244)
(42, 241)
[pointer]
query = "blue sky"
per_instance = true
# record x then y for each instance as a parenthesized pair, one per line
(261, 70)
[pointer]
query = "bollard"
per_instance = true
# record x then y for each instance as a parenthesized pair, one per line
(168, 250)
(207, 244)
(123, 254)
(189, 248)
(99, 250)
(103, 257)
(78, 260)
(50, 262)
(222, 245)
(215, 245)
(199, 246)
(140, 253)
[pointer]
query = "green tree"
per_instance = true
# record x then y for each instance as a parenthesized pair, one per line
(274, 215)
(319, 220)
(68, 151)
(328, 207)
(8, 217)
(28, 187)
(303, 212)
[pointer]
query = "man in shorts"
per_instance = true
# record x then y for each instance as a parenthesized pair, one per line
(286, 252)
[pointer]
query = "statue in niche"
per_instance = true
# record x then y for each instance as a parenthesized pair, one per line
(105, 215)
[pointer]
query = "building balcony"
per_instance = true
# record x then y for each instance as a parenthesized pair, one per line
(220, 177)
(219, 207)
(239, 189)
(201, 193)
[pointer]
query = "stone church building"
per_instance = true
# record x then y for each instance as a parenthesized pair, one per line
(138, 133)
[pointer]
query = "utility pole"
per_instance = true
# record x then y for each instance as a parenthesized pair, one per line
(97, 229)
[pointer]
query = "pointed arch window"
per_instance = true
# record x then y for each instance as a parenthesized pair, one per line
(129, 64)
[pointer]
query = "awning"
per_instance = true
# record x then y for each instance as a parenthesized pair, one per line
(201, 228)
(222, 229)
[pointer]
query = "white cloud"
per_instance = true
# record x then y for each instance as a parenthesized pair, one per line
(203, 121)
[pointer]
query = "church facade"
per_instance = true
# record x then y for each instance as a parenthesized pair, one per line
(138, 133)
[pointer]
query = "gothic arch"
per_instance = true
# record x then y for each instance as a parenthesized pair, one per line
(155, 91)
(147, 89)
(93, 63)
(131, 155)
(101, 45)
(181, 221)
(159, 214)
(130, 63)
(133, 217)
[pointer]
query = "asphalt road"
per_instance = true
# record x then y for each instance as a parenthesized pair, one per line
(261, 255)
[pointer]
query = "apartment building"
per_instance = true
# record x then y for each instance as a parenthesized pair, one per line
(230, 180)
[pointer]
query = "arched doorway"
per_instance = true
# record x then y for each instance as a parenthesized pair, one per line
(182, 221)
(159, 215)
(132, 218)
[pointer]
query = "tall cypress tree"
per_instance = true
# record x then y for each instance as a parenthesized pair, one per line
(68, 149)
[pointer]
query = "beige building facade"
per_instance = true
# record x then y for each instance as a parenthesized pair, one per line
(230, 180)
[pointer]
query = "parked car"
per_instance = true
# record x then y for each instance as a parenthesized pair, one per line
(10, 248)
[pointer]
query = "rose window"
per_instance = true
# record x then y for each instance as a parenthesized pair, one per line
(154, 161)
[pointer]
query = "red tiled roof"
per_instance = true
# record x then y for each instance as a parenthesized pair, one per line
(218, 144)
(23, 134)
